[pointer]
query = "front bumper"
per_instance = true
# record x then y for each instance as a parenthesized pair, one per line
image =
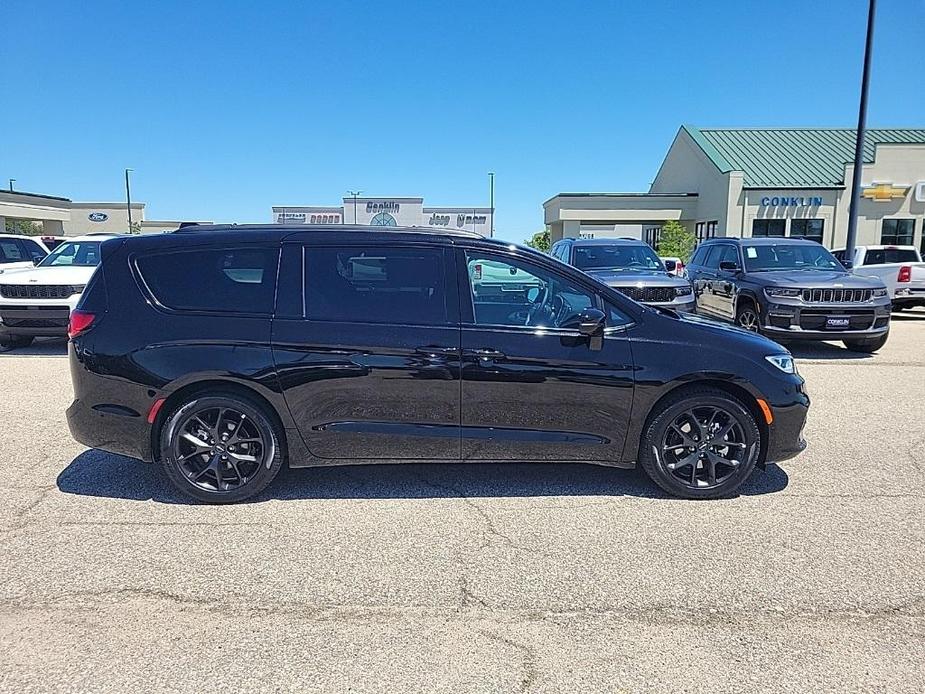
(794, 320)
(785, 439)
(36, 317)
(684, 304)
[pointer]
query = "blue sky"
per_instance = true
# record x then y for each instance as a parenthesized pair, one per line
(224, 109)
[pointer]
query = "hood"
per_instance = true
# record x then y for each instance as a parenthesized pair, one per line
(631, 278)
(815, 279)
(736, 339)
(49, 275)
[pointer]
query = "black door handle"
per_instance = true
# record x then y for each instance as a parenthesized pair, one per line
(485, 353)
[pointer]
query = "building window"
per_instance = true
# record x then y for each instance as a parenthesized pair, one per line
(810, 229)
(653, 235)
(768, 227)
(705, 230)
(897, 232)
(383, 219)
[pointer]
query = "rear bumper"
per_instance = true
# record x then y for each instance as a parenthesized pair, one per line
(785, 439)
(124, 433)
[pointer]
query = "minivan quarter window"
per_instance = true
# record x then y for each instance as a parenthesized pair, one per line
(376, 284)
(221, 280)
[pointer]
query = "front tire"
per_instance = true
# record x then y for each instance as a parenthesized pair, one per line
(867, 346)
(747, 317)
(221, 448)
(701, 443)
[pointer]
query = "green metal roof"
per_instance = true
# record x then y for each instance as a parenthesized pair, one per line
(793, 157)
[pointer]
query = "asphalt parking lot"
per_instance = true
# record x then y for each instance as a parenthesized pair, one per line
(472, 578)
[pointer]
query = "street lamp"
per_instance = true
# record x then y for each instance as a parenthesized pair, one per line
(851, 240)
(491, 201)
(354, 194)
(12, 181)
(128, 201)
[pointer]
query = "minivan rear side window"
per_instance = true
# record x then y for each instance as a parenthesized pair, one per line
(223, 280)
(375, 284)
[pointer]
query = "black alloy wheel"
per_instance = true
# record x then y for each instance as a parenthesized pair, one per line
(220, 448)
(703, 443)
(747, 317)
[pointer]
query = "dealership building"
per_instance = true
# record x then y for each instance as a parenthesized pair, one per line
(64, 217)
(786, 182)
(388, 212)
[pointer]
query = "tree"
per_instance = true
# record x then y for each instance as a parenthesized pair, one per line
(23, 226)
(540, 241)
(134, 228)
(676, 241)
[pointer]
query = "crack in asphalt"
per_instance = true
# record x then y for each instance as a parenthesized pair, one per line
(527, 652)
(80, 600)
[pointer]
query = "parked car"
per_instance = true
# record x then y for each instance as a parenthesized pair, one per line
(18, 252)
(629, 266)
(900, 268)
(224, 352)
(673, 264)
(38, 301)
(789, 289)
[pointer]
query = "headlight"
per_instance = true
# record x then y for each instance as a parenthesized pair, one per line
(77, 289)
(683, 291)
(783, 292)
(784, 362)
(880, 292)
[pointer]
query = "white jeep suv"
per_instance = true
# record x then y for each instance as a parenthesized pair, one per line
(39, 301)
(18, 252)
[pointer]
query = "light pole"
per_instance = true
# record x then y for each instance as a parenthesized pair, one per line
(12, 181)
(354, 194)
(128, 201)
(491, 201)
(851, 240)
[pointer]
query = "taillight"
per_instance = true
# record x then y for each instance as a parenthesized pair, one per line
(905, 274)
(680, 267)
(80, 321)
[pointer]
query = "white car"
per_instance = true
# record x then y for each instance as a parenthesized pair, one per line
(19, 252)
(39, 301)
(900, 268)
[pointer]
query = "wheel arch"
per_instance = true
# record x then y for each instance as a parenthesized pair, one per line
(212, 386)
(747, 397)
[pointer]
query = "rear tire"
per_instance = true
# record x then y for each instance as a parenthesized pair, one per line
(221, 448)
(701, 443)
(867, 346)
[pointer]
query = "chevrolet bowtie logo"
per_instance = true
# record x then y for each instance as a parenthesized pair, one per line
(882, 192)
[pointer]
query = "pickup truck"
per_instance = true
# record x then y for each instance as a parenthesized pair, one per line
(899, 267)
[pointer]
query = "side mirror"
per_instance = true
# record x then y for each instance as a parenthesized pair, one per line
(589, 322)
(36, 260)
(728, 266)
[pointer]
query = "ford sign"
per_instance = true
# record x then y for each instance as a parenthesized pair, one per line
(97, 216)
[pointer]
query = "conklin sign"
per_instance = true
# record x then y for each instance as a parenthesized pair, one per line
(790, 201)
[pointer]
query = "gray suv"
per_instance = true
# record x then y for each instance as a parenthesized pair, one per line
(629, 266)
(789, 289)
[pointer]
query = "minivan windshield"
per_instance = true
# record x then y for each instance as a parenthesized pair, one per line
(789, 256)
(74, 254)
(617, 257)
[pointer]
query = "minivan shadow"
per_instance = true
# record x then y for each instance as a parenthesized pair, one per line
(101, 474)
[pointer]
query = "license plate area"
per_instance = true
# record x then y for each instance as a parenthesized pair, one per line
(836, 322)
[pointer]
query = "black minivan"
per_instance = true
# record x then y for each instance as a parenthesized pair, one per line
(223, 353)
